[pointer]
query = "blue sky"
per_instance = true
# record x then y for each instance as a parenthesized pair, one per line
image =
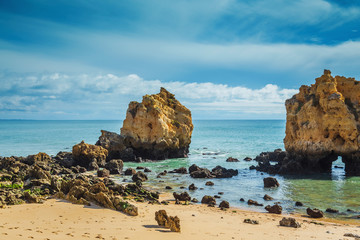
(224, 59)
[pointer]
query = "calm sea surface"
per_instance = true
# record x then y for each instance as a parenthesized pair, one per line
(212, 143)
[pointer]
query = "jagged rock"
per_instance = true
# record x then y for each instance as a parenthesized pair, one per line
(115, 166)
(184, 196)
(139, 176)
(31, 198)
(40, 158)
(277, 209)
(267, 198)
(224, 204)
(164, 220)
(194, 168)
(115, 145)
(270, 182)
(37, 172)
(84, 154)
(125, 206)
(231, 159)
(158, 128)
(221, 172)
(192, 187)
(103, 173)
(322, 123)
(65, 159)
(130, 172)
(208, 200)
(181, 170)
(202, 173)
(252, 202)
(289, 222)
(314, 213)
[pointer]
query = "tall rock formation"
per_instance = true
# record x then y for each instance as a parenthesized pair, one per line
(322, 123)
(159, 127)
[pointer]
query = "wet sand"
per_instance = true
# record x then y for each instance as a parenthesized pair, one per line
(58, 219)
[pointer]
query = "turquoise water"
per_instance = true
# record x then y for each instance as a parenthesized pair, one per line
(212, 143)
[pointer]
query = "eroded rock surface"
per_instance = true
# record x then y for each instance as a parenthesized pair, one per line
(89, 156)
(159, 127)
(322, 123)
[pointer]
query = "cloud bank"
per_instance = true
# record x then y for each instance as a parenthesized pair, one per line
(64, 96)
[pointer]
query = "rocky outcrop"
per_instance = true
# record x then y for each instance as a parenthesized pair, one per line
(277, 209)
(89, 156)
(159, 127)
(314, 213)
(216, 172)
(323, 123)
(289, 222)
(184, 196)
(164, 220)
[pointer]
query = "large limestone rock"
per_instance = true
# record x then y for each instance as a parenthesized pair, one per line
(159, 127)
(322, 123)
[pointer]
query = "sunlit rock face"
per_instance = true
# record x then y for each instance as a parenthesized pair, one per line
(322, 123)
(159, 127)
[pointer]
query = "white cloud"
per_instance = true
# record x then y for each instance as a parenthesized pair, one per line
(107, 96)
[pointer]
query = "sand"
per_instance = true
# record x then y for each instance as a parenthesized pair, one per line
(58, 219)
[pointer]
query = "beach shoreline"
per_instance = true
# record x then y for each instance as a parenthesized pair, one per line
(59, 219)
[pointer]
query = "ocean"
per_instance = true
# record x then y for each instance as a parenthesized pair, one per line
(213, 141)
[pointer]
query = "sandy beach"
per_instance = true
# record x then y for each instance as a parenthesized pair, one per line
(58, 219)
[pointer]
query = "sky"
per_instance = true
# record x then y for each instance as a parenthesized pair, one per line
(223, 59)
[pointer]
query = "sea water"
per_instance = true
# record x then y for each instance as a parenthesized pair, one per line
(213, 141)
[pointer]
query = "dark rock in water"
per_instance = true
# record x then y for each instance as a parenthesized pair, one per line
(221, 193)
(217, 196)
(331, 210)
(139, 168)
(162, 174)
(182, 187)
(130, 172)
(314, 213)
(350, 210)
(139, 176)
(247, 159)
(221, 172)
(181, 170)
(184, 196)
(208, 200)
(276, 156)
(194, 200)
(115, 166)
(250, 221)
(231, 159)
(103, 173)
(299, 204)
(194, 168)
(242, 200)
(147, 170)
(209, 183)
(115, 145)
(289, 222)
(192, 187)
(267, 198)
(270, 182)
(252, 167)
(252, 202)
(277, 209)
(168, 187)
(202, 173)
(224, 204)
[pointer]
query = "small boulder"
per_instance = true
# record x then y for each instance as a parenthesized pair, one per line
(192, 187)
(147, 170)
(181, 170)
(231, 159)
(224, 204)
(289, 222)
(277, 209)
(270, 182)
(184, 196)
(139, 176)
(208, 200)
(103, 173)
(168, 187)
(164, 220)
(84, 154)
(115, 166)
(209, 183)
(248, 159)
(299, 204)
(130, 172)
(250, 221)
(331, 210)
(252, 202)
(314, 213)
(267, 198)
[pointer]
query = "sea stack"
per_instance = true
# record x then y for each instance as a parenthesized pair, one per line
(158, 128)
(322, 123)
